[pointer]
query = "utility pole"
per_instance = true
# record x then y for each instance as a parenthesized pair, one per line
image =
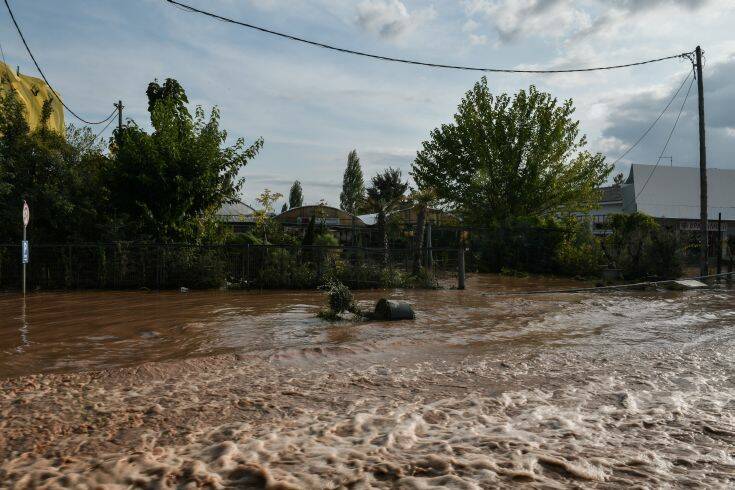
(703, 259)
(119, 106)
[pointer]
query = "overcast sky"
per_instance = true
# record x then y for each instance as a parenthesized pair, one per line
(313, 106)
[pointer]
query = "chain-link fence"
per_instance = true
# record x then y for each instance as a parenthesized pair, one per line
(155, 266)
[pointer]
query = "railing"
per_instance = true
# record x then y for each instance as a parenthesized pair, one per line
(123, 265)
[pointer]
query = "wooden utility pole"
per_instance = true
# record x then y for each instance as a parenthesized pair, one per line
(119, 106)
(703, 259)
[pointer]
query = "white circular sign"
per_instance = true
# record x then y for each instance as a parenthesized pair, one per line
(26, 214)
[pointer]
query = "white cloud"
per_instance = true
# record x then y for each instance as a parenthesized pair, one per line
(390, 19)
(478, 39)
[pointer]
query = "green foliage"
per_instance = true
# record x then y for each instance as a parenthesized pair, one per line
(168, 184)
(340, 297)
(61, 180)
(265, 225)
(642, 249)
(579, 253)
(284, 208)
(296, 196)
(353, 186)
(505, 157)
(384, 196)
(195, 268)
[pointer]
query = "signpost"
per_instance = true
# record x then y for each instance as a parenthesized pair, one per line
(25, 251)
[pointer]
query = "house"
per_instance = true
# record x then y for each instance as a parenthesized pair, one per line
(671, 196)
(409, 217)
(239, 217)
(343, 225)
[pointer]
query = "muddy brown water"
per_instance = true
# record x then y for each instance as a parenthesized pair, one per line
(249, 389)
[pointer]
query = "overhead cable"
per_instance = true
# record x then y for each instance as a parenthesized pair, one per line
(668, 140)
(38, 67)
(228, 20)
(648, 130)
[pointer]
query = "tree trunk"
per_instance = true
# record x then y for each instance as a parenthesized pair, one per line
(384, 232)
(419, 239)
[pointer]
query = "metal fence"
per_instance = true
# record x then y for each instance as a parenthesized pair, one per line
(156, 266)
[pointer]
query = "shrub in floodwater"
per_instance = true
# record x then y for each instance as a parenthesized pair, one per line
(340, 300)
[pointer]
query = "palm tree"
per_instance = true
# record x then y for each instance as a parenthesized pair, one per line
(423, 199)
(383, 197)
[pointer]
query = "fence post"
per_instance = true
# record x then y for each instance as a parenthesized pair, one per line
(429, 251)
(460, 266)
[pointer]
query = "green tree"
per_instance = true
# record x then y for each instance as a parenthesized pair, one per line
(353, 186)
(59, 179)
(295, 196)
(284, 208)
(168, 184)
(506, 157)
(264, 217)
(384, 196)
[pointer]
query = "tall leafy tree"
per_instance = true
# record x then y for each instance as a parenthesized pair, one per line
(168, 184)
(296, 196)
(505, 157)
(284, 208)
(58, 177)
(353, 185)
(384, 196)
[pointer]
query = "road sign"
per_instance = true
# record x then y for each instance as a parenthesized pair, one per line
(26, 214)
(26, 252)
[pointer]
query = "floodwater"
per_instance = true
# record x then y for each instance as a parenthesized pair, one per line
(249, 389)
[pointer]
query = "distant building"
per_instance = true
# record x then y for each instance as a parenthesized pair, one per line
(671, 196)
(409, 216)
(342, 224)
(239, 217)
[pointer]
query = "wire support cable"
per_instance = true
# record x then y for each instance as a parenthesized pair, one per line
(191, 9)
(668, 140)
(43, 75)
(91, 143)
(648, 130)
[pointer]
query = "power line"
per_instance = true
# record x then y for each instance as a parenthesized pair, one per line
(668, 140)
(645, 133)
(91, 143)
(228, 20)
(38, 67)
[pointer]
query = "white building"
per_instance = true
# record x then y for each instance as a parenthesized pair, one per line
(671, 195)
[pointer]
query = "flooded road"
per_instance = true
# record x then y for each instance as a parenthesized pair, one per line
(76, 331)
(247, 389)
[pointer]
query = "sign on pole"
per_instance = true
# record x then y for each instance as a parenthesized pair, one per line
(24, 244)
(26, 214)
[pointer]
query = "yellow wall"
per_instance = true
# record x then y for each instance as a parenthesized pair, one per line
(32, 92)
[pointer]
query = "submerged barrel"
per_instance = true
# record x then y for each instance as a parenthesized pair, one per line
(393, 310)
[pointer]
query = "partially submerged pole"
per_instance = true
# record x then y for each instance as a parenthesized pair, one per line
(703, 259)
(719, 246)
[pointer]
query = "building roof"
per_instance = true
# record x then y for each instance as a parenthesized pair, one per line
(319, 211)
(611, 194)
(673, 192)
(236, 213)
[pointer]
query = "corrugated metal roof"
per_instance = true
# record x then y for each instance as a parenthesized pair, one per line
(673, 192)
(237, 212)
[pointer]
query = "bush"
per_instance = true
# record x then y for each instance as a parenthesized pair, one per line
(642, 249)
(579, 253)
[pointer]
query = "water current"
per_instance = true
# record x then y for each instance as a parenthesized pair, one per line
(249, 389)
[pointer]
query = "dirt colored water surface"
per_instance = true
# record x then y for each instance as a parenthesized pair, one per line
(249, 390)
